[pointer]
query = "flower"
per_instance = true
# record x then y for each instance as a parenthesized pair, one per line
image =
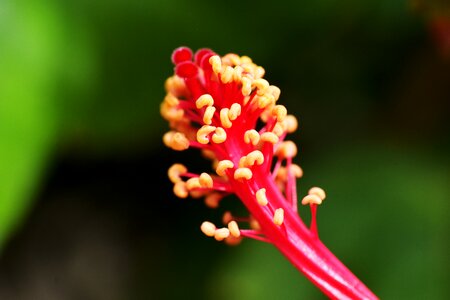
(224, 107)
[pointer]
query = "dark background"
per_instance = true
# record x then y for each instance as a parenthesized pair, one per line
(86, 209)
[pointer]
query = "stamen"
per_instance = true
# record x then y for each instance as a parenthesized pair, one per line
(280, 112)
(264, 100)
(221, 234)
(227, 217)
(243, 173)
(254, 156)
(278, 129)
(193, 183)
(311, 199)
(234, 229)
(261, 197)
(290, 123)
(174, 172)
(216, 63)
(246, 86)
(269, 137)
(176, 140)
(274, 91)
(251, 136)
(203, 132)
(219, 136)
(212, 200)
(180, 189)
(286, 149)
(278, 217)
(222, 166)
(234, 112)
(227, 74)
(206, 180)
(237, 75)
(171, 99)
(208, 228)
(209, 114)
(261, 85)
(317, 191)
(242, 162)
(224, 118)
(204, 100)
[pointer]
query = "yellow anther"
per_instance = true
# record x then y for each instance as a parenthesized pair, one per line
(209, 114)
(171, 100)
(212, 200)
(216, 63)
(234, 229)
(265, 100)
(174, 84)
(280, 112)
(278, 129)
(253, 157)
(286, 149)
(296, 170)
(208, 228)
(269, 137)
(274, 91)
(261, 85)
(290, 123)
(224, 118)
(234, 112)
(317, 191)
(311, 199)
(259, 72)
(232, 59)
(175, 171)
(219, 136)
(237, 73)
(233, 241)
(245, 59)
(243, 173)
(176, 140)
(205, 180)
(278, 217)
(180, 189)
(227, 74)
(261, 197)
(171, 113)
(204, 100)
(246, 86)
(251, 136)
(222, 166)
(242, 162)
(197, 193)
(203, 132)
(221, 234)
(193, 183)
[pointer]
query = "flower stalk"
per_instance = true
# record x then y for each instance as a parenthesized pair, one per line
(224, 107)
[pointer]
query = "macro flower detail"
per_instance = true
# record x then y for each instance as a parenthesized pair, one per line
(224, 107)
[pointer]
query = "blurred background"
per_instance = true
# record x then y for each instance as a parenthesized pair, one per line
(86, 209)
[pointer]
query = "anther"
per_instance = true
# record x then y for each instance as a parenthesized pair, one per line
(204, 100)
(243, 173)
(219, 136)
(222, 166)
(221, 234)
(286, 149)
(290, 123)
(246, 86)
(261, 197)
(234, 112)
(227, 74)
(274, 91)
(311, 199)
(269, 137)
(237, 73)
(234, 229)
(261, 85)
(171, 99)
(251, 136)
(203, 132)
(278, 129)
(209, 114)
(208, 228)
(205, 180)
(180, 189)
(193, 183)
(242, 162)
(253, 157)
(224, 118)
(212, 200)
(175, 171)
(280, 112)
(278, 216)
(216, 63)
(176, 140)
(317, 191)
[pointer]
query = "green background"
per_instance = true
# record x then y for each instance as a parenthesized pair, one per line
(86, 209)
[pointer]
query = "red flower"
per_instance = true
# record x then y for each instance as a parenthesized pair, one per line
(223, 106)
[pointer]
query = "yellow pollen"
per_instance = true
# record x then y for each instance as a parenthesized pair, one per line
(171, 100)
(278, 217)
(209, 114)
(212, 200)
(278, 129)
(227, 74)
(180, 189)
(174, 84)
(280, 112)
(246, 86)
(296, 170)
(234, 112)
(311, 199)
(269, 137)
(171, 113)
(221, 234)
(286, 149)
(204, 100)
(176, 140)
(255, 156)
(275, 92)
(203, 132)
(243, 173)
(251, 136)
(261, 197)
(223, 165)
(224, 118)
(208, 228)
(216, 63)
(219, 136)
(232, 59)
(245, 59)
(290, 123)
(261, 85)
(242, 162)
(237, 74)
(193, 183)
(174, 172)
(206, 180)
(317, 191)
(234, 229)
